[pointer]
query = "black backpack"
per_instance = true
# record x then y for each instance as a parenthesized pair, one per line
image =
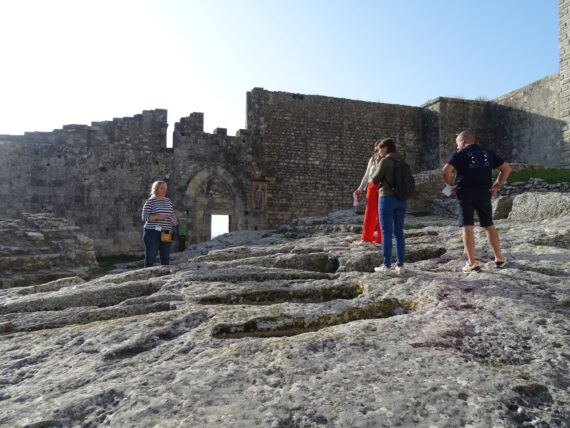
(404, 185)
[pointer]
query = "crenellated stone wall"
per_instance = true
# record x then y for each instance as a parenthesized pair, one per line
(97, 176)
(212, 174)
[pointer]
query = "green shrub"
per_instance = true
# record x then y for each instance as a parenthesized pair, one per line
(550, 175)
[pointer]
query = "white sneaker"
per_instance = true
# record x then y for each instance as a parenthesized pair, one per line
(400, 270)
(383, 269)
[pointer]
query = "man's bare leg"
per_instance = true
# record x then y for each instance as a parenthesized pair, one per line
(494, 242)
(468, 237)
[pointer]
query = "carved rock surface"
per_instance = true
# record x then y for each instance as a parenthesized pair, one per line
(300, 332)
(42, 247)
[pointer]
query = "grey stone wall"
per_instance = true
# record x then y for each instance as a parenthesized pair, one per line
(300, 155)
(429, 150)
(517, 135)
(455, 115)
(313, 150)
(540, 97)
(98, 176)
(532, 121)
(564, 96)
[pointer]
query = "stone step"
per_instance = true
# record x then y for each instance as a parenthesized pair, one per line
(40, 277)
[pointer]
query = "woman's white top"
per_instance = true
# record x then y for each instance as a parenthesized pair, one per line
(370, 170)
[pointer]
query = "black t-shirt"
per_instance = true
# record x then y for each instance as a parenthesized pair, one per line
(474, 166)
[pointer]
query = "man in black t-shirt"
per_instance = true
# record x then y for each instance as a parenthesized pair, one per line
(474, 187)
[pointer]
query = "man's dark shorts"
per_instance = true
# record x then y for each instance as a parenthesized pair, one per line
(469, 202)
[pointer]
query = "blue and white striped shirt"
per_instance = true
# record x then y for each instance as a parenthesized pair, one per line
(154, 205)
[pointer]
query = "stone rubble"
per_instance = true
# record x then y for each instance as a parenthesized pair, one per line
(38, 248)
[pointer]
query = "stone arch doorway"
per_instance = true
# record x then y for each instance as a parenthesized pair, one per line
(213, 190)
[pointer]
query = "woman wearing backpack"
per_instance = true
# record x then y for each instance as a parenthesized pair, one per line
(370, 223)
(391, 209)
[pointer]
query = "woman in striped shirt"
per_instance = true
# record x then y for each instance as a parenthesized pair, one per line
(158, 215)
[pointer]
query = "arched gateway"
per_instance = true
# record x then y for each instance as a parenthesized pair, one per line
(213, 190)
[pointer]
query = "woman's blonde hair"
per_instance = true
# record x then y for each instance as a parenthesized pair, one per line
(155, 187)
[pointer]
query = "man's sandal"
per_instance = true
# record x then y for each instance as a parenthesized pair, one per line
(471, 268)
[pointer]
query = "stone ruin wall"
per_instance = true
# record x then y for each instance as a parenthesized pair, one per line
(564, 77)
(531, 115)
(300, 155)
(211, 174)
(515, 126)
(97, 176)
(312, 150)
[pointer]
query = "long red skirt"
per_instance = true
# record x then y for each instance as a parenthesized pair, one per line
(371, 220)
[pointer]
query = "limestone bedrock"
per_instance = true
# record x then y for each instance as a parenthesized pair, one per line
(293, 328)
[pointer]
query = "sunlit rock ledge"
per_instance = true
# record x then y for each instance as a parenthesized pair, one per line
(294, 329)
(41, 247)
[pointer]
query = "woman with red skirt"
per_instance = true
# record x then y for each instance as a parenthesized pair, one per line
(371, 221)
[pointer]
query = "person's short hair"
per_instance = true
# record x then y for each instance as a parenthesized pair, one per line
(467, 135)
(155, 187)
(389, 143)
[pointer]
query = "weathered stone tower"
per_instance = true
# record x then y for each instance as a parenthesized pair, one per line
(564, 47)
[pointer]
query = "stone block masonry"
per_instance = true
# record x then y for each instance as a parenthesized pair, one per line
(564, 76)
(313, 150)
(97, 176)
(211, 174)
(521, 126)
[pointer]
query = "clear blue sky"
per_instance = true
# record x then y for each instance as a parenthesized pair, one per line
(71, 61)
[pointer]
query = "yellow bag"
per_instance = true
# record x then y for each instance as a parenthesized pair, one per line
(166, 236)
